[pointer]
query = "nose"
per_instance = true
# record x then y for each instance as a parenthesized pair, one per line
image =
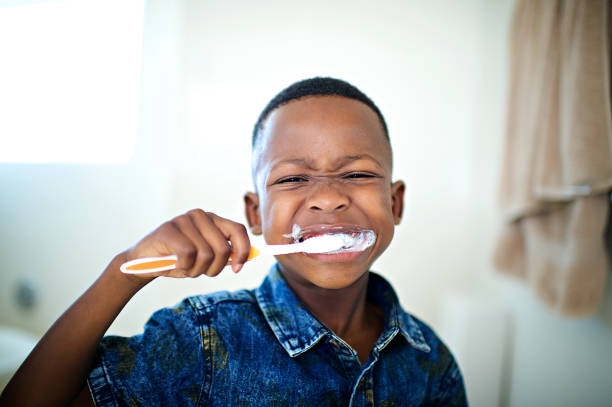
(328, 198)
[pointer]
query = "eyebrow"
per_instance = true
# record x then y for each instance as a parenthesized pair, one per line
(342, 162)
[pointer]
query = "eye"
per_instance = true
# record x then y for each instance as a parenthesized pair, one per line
(292, 179)
(357, 175)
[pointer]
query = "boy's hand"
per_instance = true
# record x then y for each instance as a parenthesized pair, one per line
(200, 240)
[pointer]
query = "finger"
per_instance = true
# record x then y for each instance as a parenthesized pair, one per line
(166, 240)
(204, 254)
(180, 244)
(215, 239)
(237, 234)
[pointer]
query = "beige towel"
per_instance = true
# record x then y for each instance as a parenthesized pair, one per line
(557, 169)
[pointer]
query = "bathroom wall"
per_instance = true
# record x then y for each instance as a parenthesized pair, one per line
(437, 71)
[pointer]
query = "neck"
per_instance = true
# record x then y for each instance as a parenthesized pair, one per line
(341, 310)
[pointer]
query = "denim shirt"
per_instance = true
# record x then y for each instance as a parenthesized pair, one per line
(263, 347)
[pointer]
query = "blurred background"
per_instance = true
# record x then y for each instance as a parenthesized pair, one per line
(119, 115)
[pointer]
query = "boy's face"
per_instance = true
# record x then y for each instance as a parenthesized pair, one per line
(324, 162)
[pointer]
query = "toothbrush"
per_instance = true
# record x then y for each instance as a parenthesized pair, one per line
(318, 244)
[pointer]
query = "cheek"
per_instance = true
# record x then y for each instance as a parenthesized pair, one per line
(377, 205)
(277, 213)
(375, 200)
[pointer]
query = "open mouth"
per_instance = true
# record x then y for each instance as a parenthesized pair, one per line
(354, 238)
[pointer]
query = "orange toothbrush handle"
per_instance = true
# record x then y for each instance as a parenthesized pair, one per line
(156, 264)
(253, 252)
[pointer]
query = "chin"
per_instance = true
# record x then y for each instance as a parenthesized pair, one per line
(334, 284)
(329, 276)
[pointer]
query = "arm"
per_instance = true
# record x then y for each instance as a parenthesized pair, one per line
(62, 359)
(56, 370)
(451, 391)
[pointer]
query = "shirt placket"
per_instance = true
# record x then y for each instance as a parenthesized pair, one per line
(362, 394)
(363, 390)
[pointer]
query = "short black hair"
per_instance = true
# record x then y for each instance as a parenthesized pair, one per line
(317, 86)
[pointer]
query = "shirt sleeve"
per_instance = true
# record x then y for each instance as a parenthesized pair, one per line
(451, 391)
(163, 366)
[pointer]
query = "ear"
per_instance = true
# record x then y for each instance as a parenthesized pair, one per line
(251, 210)
(397, 200)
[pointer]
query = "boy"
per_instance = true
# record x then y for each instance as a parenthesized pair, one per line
(321, 330)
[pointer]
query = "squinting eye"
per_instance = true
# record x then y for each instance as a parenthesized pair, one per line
(290, 180)
(354, 175)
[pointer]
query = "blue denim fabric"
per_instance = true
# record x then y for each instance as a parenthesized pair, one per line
(263, 347)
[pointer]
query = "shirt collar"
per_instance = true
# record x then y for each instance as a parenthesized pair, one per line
(298, 330)
(381, 293)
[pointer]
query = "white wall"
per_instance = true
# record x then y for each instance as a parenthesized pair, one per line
(436, 69)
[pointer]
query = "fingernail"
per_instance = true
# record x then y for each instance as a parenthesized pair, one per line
(237, 268)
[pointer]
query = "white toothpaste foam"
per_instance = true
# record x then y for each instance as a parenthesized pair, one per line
(356, 243)
(353, 240)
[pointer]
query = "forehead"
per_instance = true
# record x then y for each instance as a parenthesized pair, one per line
(321, 129)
